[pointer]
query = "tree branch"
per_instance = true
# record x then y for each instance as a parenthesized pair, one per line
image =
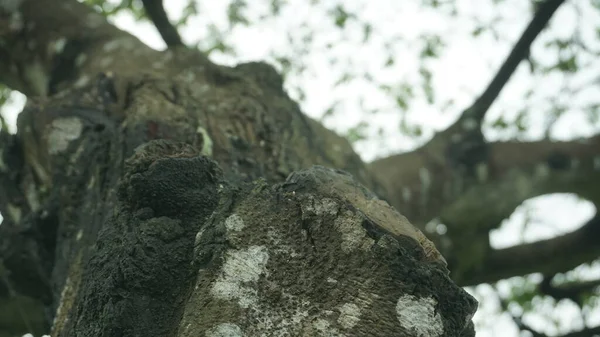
(158, 16)
(426, 187)
(572, 291)
(68, 44)
(477, 111)
(549, 256)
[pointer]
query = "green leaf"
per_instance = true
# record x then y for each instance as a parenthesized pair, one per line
(341, 16)
(367, 30)
(433, 46)
(235, 13)
(357, 133)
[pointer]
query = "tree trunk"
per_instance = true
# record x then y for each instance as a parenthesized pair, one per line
(158, 194)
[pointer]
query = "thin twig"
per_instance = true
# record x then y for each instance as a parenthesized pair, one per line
(156, 12)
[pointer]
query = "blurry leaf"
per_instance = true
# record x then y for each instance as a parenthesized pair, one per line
(108, 8)
(520, 121)
(357, 132)
(188, 11)
(410, 130)
(478, 30)
(341, 16)
(401, 102)
(403, 96)
(367, 30)
(593, 113)
(276, 6)
(235, 13)
(567, 65)
(500, 123)
(433, 46)
(522, 293)
(427, 86)
(390, 61)
(347, 77)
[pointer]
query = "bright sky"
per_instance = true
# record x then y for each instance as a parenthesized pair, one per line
(464, 69)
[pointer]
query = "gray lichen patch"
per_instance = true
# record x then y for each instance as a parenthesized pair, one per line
(225, 330)
(62, 132)
(298, 260)
(241, 268)
(354, 236)
(419, 315)
(349, 315)
(333, 183)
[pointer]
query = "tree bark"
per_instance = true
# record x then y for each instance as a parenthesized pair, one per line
(158, 194)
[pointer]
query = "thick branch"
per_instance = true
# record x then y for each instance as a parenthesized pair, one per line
(572, 291)
(555, 255)
(519, 52)
(426, 187)
(67, 44)
(156, 13)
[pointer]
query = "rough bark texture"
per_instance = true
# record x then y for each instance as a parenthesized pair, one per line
(157, 194)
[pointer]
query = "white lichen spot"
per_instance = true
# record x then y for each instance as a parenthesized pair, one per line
(234, 223)
(106, 62)
(16, 22)
(406, 194)
(80, 59)
(456, 138)
(482, 172)
(425, 178)
(92, 182)
(542, 171)
(225, 330)
(14, 212)
(597, 163)
(349, 315)
(353, 234)
(240, 268)
(3, 166)
(79, 235)
(190, 77)
(94, 20)
(469, 124)
(319, 207)
(419, 316)
(207, 144)
(331, 280)
(59, 45)
(61, 304)
(63, 131)
(111, 45)
(324, 328)
(36, 78)
(33, 197)
(82, 81)
(199, 236)
(10, 6)
(575, 163)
